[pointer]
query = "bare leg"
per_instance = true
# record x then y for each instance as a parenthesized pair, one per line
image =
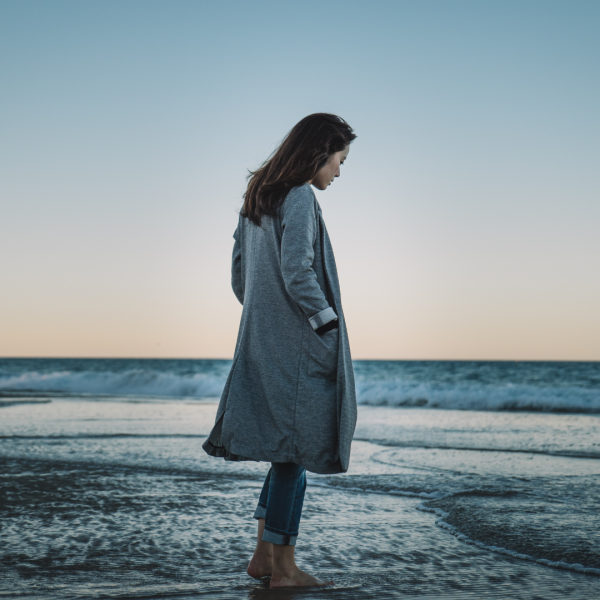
(286, 573)
(261, 564)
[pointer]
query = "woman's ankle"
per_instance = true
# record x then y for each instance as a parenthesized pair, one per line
(263, 554)
(284, 562)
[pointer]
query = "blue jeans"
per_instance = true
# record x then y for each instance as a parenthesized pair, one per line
(280, 503)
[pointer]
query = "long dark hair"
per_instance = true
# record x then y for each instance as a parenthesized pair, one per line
(305, 150)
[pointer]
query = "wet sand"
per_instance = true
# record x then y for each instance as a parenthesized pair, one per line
(117, 500)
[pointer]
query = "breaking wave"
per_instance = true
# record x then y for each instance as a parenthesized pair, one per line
(133, 382)
(377, 387)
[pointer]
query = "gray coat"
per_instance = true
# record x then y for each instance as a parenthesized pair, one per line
(290, 394)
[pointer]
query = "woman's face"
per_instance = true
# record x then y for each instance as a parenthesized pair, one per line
(325, 175)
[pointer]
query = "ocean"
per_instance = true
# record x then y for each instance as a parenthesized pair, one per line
(467, 479)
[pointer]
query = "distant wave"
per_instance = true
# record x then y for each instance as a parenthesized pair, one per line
(479, 397)
(132, 382)
(393, 392)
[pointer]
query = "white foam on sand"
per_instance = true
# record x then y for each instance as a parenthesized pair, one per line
(499, 550)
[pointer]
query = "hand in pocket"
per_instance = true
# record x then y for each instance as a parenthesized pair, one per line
(323, 357)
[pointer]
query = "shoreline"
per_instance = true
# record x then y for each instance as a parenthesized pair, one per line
(127, 473)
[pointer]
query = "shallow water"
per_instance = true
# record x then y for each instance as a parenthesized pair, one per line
(116, 499)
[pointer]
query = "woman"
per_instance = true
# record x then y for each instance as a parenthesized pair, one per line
(289, 398)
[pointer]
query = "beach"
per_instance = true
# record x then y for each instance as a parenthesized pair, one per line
(106, 492)
(275, 209)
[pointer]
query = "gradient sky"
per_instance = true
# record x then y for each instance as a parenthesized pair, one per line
(466, 222)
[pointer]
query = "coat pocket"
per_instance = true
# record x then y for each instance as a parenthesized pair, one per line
(323, 358)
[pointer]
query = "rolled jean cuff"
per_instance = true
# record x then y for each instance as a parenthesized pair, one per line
(280, 539)
(322, 318)
(260, 512)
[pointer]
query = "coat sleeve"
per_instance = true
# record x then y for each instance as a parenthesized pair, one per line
(236, 267)
(299, 234)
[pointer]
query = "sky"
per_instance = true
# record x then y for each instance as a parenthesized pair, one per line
(465, 223)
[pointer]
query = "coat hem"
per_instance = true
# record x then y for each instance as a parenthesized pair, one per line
(222, 452)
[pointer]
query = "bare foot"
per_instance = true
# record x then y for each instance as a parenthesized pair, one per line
(260, 566)
(294, 578)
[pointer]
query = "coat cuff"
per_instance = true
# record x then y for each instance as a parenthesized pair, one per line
(322, 318)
